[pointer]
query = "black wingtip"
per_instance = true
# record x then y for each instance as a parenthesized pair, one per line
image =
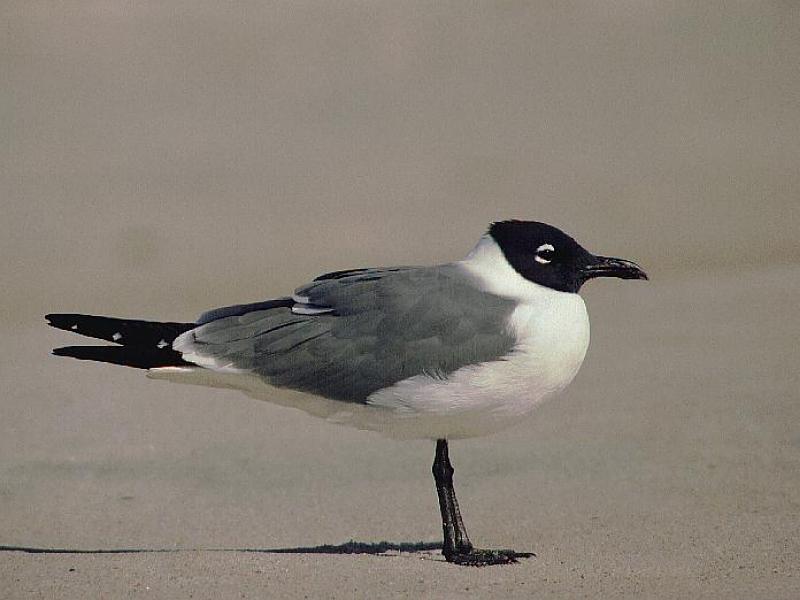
(58, 320)
(126, 332)
(98, 353)
(122, 355)
(73, 322)
(65, 321)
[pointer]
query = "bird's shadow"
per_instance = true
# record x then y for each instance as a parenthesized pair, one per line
(351, 547)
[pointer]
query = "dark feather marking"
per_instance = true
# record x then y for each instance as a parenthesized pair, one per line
(127, 356)
(241, 309)
(305, 341)
(133, 332)
(339, 274)
(374, 273)
(143, 344)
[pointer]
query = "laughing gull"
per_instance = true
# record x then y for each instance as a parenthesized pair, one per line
(457, 350)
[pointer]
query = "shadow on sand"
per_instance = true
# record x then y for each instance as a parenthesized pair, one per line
(351, 547)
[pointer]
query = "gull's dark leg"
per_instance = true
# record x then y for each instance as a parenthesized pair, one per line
(456, 547)
(456, 539)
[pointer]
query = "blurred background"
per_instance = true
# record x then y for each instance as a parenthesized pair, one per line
(160, 159)
(229, 153)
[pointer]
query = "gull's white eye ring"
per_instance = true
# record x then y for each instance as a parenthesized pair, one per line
(543, 251)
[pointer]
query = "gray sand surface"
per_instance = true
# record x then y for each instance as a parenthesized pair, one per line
(653, 475)
(166, 159)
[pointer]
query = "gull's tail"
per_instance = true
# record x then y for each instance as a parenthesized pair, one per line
(142, 344)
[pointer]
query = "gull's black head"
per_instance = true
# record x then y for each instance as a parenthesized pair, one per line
(546, 255)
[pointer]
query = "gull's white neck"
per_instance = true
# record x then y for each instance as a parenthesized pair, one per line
(551, 327)
(487, 264)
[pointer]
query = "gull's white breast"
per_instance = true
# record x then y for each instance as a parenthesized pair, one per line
(552, 338)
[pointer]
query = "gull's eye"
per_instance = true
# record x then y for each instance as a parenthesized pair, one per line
(544, 253)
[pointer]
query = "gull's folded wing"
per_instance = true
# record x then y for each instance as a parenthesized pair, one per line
(347, 335)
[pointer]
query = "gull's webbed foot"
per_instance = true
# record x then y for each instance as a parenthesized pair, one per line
(479, 557)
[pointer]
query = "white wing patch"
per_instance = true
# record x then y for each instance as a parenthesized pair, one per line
(310, 309)
(184, 344)
(303, 306)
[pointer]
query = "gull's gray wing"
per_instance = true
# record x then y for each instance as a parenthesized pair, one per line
(348, 334)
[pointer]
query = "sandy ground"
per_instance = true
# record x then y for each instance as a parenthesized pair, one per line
(168, 158)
